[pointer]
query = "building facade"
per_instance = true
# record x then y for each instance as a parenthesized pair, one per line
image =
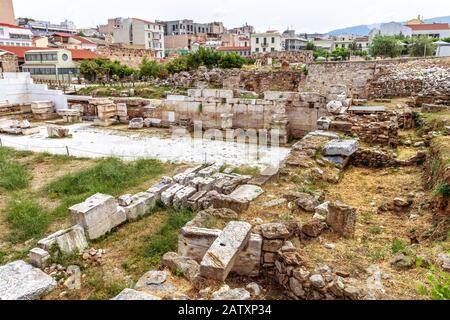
(11, 35)
(293, 42)
(242, 51)
(70, 41)
(46, 28)
(269, 41)
(186, 26)
(140, 34)
(434, 30)
(7, 12)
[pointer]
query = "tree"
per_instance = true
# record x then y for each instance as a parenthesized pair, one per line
(422, 47)
(321, 53)
(231, 60)
(311, 46)
(149, 69)
(177, 65)
(446, 40)
(88, 69)
(386, 46)
(341, 53)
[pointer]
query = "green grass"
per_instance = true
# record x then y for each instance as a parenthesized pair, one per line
(13, 175)
(397, 246)
(166, 239)
(111, 176)
(443, 189)
(26, 218)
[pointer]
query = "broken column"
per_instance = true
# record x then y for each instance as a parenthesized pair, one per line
(98, 215)
(221, 256)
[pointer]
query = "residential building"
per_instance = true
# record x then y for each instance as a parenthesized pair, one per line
(244, 42)
(293, 42)
(351, 42)
(434, 30)
(231, 40)
(40, 42)
(245, 30)
(49, 63)
(391, 29)
(70, 41)
(140, 34)
(269, 41)
(243, 51)
(7, 12)
(11, 35)
(46, 28)
(362, 43)
(324, 43)
(108, 29)
(186, 26)
(182, 41)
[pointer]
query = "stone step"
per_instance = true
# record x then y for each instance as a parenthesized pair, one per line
(220, 258)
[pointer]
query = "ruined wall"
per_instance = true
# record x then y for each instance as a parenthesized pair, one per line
(294, 114)
(250, 80)
(304, 56)
(397, 78)
(127, 56)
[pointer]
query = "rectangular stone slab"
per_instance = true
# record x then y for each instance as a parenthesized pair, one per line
(220, 258)
(341, 148)
(21, 281)
(168, 195)
(68, 241)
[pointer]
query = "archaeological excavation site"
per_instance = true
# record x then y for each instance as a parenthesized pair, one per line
(330, 182)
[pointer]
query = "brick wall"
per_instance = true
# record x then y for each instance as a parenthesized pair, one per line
(127, 56)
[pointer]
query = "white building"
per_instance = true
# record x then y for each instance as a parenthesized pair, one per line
(269, 41)
(46, 28)
(140, 34)
(434, 30)
(11, 35)
(391, 29)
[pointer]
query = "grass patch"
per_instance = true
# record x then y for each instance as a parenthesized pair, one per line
(247, 171)
(26, 218)
(13, 175)
(376, 230)
(166, 239)
(397, 246)
(443, 189)
(101, 289)
(111, 176)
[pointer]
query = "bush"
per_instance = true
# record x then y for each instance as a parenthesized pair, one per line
(177, 65)
(150, 69)
(26, 218)
(231, 61)
(422, 47)
(443, 189)
(397, 246)
(438, 287)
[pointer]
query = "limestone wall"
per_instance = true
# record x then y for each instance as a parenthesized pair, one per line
(127, 56)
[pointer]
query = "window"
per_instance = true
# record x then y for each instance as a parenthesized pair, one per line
(2, 32)
(257, 40)
(264, 49)
(273, 40)
(272, 49)
(257, 49)
(265, 41)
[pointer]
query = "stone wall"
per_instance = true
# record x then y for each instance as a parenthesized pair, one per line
(375, 158)
(235, 79)
(304, 56)
(387, 78)
(294, 114)
(129, 57)
(8, 63)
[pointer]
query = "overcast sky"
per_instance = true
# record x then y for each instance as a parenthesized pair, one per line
(303, 16)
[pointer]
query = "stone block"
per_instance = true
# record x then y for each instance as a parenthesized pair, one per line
(221, 256)
(168, 195)
(98, 215)
(57, 132)
(246, 193)
(194, 242)
(140, 205)
(72, 240)
(224, 201)
(177, 263)
(136, 123)
(181, 197)
(38, 257)
(275, 230)
(159, 188)
(21, 281)
(342, 219)
(340, 148)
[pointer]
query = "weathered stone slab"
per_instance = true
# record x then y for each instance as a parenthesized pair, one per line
(194, 242)
(193, 201)
(185, 177)
(134, 295)
(168, 195)
(210, 170)
(203, 184)
(275, 230)
(98, 215)
(57, 131)
(136, 123)
(246, 193)
(159, 188)
(181, 197)
(269, 174)
(225, 201)
(21, 281)
(340, 148)
(177, 263)
(72, 240)
(221, 256)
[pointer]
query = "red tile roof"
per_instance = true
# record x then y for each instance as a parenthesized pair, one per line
(234, 49)
(11, 26)
(76, 54)
(429, 26)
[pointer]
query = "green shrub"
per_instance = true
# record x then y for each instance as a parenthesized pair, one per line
(438, 287)
(26, 218)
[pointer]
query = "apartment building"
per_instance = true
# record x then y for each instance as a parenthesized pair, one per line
(186, 26)
(70, 41)
(434, 30)
(11, 35)
(46, 28)
(140, 34)
(293, 42)
(269, 41)
(7, 12)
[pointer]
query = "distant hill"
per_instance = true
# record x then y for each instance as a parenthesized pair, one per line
(363, 30)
